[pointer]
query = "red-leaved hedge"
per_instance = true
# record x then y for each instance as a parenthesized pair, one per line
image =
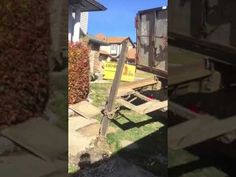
(78, 71)
(24, 48)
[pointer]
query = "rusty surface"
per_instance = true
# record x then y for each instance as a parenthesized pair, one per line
(204, 26)
(152, 41)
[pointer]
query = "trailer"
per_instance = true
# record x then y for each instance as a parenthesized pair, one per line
(151, 27)
(203, 28)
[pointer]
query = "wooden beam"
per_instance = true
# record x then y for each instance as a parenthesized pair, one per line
(142, 97)
(144, 108)
(187, 73)
(151, 106)
(85, 109)
(198, 130)
(128, 87)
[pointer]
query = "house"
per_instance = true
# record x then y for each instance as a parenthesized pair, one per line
(94, 55)
(131, 56)
(78, 17)
(115, 45)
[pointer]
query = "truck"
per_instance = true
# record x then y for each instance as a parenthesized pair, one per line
(202, 53)
(201, 60)
(151, 30)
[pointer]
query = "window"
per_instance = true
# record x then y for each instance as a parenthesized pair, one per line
(113, 48)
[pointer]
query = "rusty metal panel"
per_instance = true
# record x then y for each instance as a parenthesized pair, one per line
(207, 26)
(152, 40)
(208, 20)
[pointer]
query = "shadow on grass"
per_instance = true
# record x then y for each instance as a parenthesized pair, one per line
(155, 116)
(211, 153)
(151, 155)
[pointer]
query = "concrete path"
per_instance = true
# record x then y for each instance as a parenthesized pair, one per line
(78, 142)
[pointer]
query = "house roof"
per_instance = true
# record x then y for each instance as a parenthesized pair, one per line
(131, 54)
(116, 40)
(96, 40)
(113, 40)
(87, 5)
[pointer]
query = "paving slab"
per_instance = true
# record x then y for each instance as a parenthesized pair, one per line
(77, 141)
(6, 146)
(39, 137)
(28, 165)
(129, 145)
(85, 109)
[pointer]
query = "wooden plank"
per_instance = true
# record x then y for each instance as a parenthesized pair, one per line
(144, 108)
(141, 96)
(129, 87)
(39, 137)
(187, 73)
(29, 165)
(151, 106)
(85, 109)
(198, 130)
(126, 104)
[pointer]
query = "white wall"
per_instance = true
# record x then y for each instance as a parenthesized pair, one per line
(84, 22)
(76, 21)
(108, 50)
(119, 47)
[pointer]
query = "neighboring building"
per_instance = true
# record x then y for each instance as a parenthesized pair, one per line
(131, 56)
(104, 56)
(94, 56)
(115, 45)
(78, 17)
(84, 22)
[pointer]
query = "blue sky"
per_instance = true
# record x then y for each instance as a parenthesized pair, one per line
(119, 18)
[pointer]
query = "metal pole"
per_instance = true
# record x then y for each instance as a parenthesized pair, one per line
(114, 89)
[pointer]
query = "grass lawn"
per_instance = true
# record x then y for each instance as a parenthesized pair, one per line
(145, 132)
(183, 157)
(133, 127)
(99, 93)
(180, 56)
(72, 169)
